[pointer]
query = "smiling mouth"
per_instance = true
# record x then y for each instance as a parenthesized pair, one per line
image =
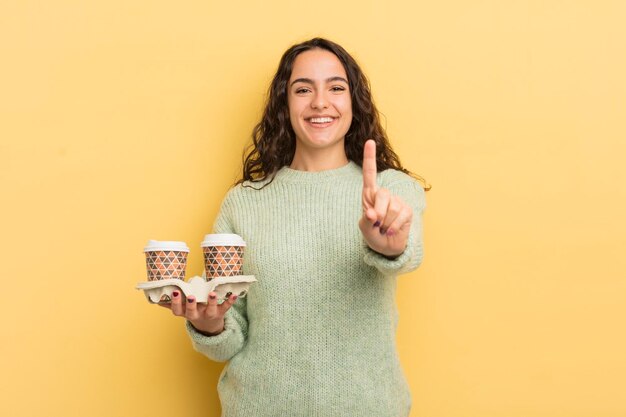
(320, 121)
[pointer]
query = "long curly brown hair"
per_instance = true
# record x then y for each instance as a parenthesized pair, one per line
(274, 141)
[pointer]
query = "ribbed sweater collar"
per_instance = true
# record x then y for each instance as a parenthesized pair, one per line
(286, 174)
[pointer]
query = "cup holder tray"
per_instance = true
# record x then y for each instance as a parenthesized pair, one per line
(161, 290)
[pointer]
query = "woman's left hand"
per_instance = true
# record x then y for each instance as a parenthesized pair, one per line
(386, 217)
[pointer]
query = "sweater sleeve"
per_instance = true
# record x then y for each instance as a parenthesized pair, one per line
(227, 344)
(412, 193)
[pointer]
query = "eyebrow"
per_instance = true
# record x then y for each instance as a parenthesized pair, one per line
(310, 81)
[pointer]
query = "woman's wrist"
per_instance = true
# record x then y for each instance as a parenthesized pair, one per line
(210, 332)
(389, 255)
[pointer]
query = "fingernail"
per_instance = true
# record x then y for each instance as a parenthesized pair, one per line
(390, 232)
(212, 296)
(377, 223)
(191, 299)
(175, 294)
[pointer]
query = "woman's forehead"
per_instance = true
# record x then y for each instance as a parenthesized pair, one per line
(317, 64)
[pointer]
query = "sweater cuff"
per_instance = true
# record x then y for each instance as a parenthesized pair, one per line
(220, 347)
(390, 267)
(205, 340)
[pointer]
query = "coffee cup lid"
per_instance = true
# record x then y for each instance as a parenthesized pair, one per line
(223, 239)
(154, 245)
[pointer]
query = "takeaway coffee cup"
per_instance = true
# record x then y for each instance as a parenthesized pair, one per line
(166, 259)
(223, 255)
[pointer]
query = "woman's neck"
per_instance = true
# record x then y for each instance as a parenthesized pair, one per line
(321, 160)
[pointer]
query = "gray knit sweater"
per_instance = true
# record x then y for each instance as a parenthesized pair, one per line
(315, 336)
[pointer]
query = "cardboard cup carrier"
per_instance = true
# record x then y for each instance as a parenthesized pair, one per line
(166, 262)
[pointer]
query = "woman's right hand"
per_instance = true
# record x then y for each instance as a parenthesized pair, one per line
(207, 318)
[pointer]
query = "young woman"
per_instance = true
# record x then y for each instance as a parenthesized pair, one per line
(330, 219)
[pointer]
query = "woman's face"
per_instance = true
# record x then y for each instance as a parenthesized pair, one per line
(320, 107)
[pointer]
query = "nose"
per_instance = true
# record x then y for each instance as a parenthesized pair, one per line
(319, 101)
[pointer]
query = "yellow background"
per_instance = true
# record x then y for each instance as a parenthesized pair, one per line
(125, 120)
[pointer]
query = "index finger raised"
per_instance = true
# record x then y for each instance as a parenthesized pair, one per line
(369, 165)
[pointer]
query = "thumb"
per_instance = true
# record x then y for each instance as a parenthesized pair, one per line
(370, 214)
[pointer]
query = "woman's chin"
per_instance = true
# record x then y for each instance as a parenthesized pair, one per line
(322, 142)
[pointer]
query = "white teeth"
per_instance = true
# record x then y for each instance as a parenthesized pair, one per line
(321, 120)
